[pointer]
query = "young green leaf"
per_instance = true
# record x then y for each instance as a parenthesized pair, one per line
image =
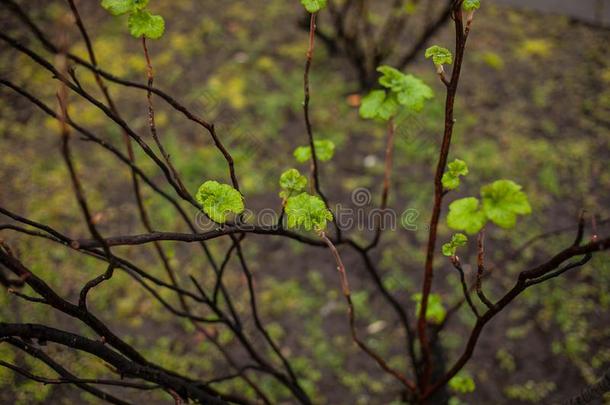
(466, 215)
(120, 7)
(292, 182)
(450, 182)
(435, 312)
(414, 93)
(325, 151)
(471, 5)
(313, 6)
(462, 383)
(503, 200)
(378, 105)
(308, 212)
(440, 56)
(144, 24)
(455, 169)
(391, 78)
(457, 240)
(458, 168)
(218, 200)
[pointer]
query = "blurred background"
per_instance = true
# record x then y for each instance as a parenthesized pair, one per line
(533, 106)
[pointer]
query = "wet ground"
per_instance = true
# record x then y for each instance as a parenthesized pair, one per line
(591, 11)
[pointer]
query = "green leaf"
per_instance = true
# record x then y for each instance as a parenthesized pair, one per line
(144, 24)
(448, 250)
(503, 200)
(292, 182)
(414, 94)
(378, 105)
(471, 5)
(455, 169)
(466, 215)
(450, 182)
(391, 78)
(218, 200)
(313, 6)
(120, 7)
(435, 312)
(308, 212)
(457, 240)
(462, 382)
(408, 91)
(458, 168)
(325, 151)
(440, 56)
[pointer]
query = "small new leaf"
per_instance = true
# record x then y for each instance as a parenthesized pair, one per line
(450, 182)
(471, 5)
(307, 212)
(292, 182)
(440, 56)
(458, 168)
(120, 7)
(313, 6)
(391, 78)
(435, 312)
(503, 200)
(462, 383)
(144, 24)
(466, 215)
(325, 150)
(407, 90)
(218, 200)
(457, 240)
(455, 169)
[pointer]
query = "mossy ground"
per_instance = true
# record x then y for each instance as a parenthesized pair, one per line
(533, 106)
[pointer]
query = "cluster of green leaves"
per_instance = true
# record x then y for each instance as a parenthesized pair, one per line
(141, 22)
(462, 382)
(455, 169)
(313, 6)
(218, 200)
(303, 210)
(325, 150)
(471, 5)
(503, 200)
(435, 311)
(440, 56)
(292, 182)
(308, 212)
(400, 90)
(457, 240)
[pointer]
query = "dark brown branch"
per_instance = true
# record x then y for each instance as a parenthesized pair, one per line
(58, 381)
(392, 301)
(481, 270)
(62, 97)
(315, 177)
(151, 118)
(188, 237)
(259, 324)
(123, 365)
(60, 370)
(460, 44)
(352, 320)
(458, 266)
